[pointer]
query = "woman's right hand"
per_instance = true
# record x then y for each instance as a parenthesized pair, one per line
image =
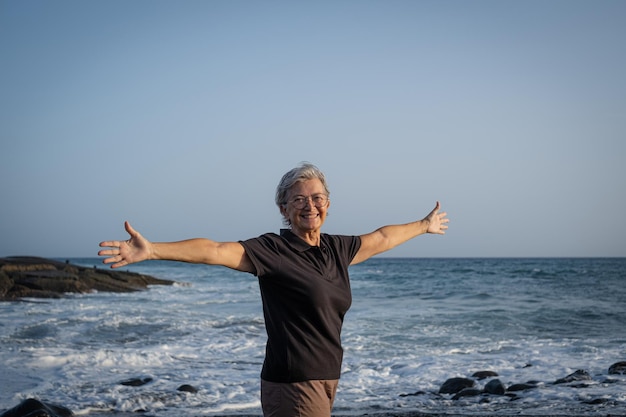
(125, 252)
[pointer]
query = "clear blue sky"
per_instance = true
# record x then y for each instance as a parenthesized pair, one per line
(181, 117)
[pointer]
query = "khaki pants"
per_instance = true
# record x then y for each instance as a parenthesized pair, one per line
(298, 399)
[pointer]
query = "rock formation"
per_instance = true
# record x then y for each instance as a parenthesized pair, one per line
(23, 277)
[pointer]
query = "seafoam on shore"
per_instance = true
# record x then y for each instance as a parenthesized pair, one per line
(414, 323)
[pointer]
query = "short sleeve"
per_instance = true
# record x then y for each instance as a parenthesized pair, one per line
(264, 253)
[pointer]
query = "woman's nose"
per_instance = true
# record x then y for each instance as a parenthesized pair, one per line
(308, 203)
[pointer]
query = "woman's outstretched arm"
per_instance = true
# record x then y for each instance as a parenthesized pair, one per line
(137, 248)
(388, 237)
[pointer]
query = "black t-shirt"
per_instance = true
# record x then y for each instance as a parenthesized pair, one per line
(306, 294)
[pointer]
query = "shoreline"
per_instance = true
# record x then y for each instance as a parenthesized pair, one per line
(604, 412)
(379, 414)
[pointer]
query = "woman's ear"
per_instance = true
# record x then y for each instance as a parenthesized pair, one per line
(283, 211)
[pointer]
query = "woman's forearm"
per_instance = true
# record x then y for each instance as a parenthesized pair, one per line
(388, 237)
(396, 234)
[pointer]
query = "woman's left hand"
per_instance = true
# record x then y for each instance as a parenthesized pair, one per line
(437, 221)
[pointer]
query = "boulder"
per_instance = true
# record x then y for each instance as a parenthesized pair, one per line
(495, 387)
(597, 401)
(455, 385)
(467, 392)
(22, 277)
(35, 408)
(521, 387)
(618, 368)
(579, 375)
(484, 374)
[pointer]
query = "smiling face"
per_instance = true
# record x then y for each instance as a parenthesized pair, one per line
(309, 219)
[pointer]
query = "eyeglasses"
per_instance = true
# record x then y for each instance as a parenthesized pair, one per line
(300, 202)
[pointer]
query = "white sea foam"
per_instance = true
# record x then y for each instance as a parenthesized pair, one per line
(402, 336)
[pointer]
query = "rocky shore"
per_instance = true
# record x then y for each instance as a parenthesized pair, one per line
(453, 388)
(33, 277)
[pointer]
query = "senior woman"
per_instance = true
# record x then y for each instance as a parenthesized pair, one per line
(304, 283)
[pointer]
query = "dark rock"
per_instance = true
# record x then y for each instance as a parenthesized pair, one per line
(579, 375)
(454, 385)
(495, 387)
(521, 387)
(46, 278)
(484, 374)
(136, 382)
(467, 392)
(5, 283)
(597, 401)
(35, 408)
(187, 388)
(416, 393)
(618, 368)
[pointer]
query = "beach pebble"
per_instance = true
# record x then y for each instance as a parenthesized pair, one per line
(454, 385)
(413, 394)
(136, 382)
(618, 368)
(187, 388)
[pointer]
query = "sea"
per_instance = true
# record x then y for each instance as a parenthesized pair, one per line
(414, 323)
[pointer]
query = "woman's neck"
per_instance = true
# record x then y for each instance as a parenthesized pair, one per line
(311, 237)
